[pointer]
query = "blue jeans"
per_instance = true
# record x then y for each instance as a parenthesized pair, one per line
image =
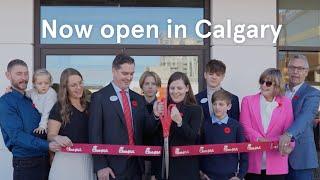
(299, 174)
(33, 168)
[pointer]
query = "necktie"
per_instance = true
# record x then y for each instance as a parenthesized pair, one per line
(127, 116)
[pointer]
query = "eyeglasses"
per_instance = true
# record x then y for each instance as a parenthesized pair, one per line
(268, 83)
(298, 68)
(76, 85)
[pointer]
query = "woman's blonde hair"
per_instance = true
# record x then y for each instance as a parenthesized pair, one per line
(274, 75)
(150, 74)
(40, 72)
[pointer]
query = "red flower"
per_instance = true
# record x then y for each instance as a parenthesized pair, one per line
(279, 104)
(227, 130)
(134, 103)
(295, 97)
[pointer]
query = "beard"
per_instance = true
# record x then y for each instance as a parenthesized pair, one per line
(21, 86)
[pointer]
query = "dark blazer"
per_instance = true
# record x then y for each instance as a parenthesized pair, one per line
(234, 112)
(149, 139)
(107, 126)
(187, 134)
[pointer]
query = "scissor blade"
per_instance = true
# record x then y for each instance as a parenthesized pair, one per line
(166, 155)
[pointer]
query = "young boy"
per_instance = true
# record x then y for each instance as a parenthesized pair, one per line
(214, 74)
(221, 129)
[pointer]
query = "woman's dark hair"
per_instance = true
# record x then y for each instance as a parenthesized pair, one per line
(189, 98)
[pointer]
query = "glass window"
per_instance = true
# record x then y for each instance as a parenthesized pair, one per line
(93, 54)
(97, 69)
(98, 16)
(314, 62)
(301, 23)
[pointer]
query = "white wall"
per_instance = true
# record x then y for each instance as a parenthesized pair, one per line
(244, 66)
(244, 61)
(16, 41)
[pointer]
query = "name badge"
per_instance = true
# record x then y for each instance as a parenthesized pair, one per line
(113, 98)
(204, 100)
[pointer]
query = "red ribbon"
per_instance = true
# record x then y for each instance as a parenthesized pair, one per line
(208, 149)
(176, 151)
(122, 150)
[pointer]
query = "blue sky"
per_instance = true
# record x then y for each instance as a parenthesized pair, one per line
(95, 68)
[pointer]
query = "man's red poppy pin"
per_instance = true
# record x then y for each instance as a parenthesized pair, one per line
(134, 103)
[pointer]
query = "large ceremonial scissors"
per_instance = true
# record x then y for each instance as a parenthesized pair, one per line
(166, 121)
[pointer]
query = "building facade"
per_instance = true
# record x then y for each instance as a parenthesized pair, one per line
(20, 37)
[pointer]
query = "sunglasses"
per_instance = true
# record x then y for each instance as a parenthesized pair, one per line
(268, 83)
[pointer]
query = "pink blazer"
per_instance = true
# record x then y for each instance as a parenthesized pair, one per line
(281, 119)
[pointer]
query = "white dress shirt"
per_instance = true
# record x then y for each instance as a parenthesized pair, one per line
(290, 93)
(117, 89)
(266, 109)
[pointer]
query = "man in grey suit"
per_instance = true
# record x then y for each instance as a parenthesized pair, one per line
(305, 101)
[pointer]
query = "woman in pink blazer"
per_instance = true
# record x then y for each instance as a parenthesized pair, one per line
(265, 117)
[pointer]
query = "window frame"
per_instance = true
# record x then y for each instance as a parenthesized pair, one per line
(41, 50)
(292, 48)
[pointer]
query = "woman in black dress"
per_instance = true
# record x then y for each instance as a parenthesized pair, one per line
(185, 128)
(68, 123)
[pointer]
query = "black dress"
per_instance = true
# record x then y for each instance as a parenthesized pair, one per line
(188, 134)
(77, 129)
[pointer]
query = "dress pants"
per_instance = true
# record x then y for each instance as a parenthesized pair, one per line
(299, 174)
(31, 168)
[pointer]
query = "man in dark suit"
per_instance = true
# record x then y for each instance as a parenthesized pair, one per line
(305, 103)
(214, 74)
(118, 116)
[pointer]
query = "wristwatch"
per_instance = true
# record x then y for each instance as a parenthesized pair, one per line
(156, 117)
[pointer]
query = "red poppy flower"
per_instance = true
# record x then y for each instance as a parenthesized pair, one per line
(134, 103)
(227, 130)
(295, 97)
